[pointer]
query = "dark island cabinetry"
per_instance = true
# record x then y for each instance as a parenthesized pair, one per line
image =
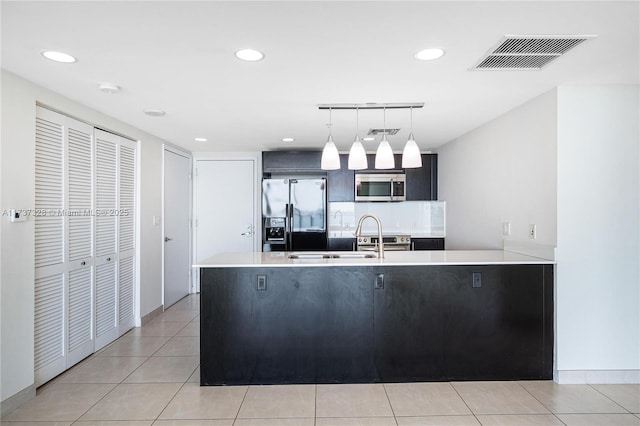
(349, 324)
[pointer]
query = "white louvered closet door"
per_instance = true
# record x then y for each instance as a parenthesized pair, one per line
(126, 235)
(79, 222)
(49, 288)
(63, 244)
(106, 193)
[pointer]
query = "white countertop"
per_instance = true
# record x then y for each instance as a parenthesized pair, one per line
(392, 258)
(351, 234)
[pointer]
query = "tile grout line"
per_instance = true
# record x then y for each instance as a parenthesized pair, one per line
(315, 405)
(610, 399)
(465, 403)
(541, 403)
(241, 404)
(393, 413)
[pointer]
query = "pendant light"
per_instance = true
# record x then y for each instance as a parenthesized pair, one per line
(330, 157)
(357, 155)
(384, 154)
(411, 157)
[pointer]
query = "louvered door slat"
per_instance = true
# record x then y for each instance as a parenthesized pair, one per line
(127, 198)
(126, 294)
(49, 320)
(80, 241)
(105, 298)
(80, 312)
(106, 202)
(49, 192)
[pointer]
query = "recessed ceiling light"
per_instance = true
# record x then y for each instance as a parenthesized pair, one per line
(250, 55)
(109, 88)
(200, 139)
(369, 139)
(58, 56)
(154, 112)
(429, 54)
(288, 139)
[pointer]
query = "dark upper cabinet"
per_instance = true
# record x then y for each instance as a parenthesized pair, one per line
(294, 161)
(341, 183)
(422, 182)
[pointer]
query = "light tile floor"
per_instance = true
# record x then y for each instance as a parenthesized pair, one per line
(150, 376)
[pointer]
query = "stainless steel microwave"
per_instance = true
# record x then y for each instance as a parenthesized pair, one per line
(380, 187)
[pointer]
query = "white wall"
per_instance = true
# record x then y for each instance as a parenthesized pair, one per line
(503, 171)
(17, 176)
(598, 276)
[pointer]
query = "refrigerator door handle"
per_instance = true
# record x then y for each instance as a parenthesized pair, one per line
(288, 227)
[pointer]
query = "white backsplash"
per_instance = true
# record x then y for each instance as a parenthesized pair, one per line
(416, 218)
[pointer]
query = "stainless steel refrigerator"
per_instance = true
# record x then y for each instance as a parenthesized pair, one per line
(294, 214)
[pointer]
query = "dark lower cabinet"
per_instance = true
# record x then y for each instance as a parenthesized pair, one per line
(376, 324)
(341, 244)
(437, 326)
(309, 325)
(427, 243)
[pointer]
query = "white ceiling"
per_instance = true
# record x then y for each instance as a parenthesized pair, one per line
(178, 56)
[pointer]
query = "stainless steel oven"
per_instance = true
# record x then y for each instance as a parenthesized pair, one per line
(380, 187)
(397, 242)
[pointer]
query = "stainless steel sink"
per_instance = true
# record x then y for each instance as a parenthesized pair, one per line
(342, 255)
(310, 256)
(349, 255)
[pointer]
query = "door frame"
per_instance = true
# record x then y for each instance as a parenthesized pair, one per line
(188, 155)
(256, 157)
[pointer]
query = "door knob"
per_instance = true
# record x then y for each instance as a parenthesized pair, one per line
(249, 232)
(167, 239)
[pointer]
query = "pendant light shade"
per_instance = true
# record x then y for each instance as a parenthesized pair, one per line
(357, 155)
(384, 154)
(330, 157)
(411, 157)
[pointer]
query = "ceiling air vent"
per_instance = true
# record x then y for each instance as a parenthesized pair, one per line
(528, 52)
(383, 131)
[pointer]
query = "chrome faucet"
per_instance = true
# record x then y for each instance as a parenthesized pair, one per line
(380, 243)
(335, 215)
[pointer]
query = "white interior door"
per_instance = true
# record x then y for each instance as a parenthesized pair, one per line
(177, 199)
(225, 207)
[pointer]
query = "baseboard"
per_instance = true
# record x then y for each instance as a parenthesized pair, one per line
(15, 401)
(151, 315)
(599, 377)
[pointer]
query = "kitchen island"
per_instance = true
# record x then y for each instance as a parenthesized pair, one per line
(273, 318)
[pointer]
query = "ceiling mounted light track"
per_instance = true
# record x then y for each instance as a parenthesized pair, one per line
(373, 105)
(384, 159)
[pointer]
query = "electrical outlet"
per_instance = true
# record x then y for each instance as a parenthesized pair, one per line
(262, 283)
(379, 284)
(506, 228)
(476, 279)
(532, 231)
